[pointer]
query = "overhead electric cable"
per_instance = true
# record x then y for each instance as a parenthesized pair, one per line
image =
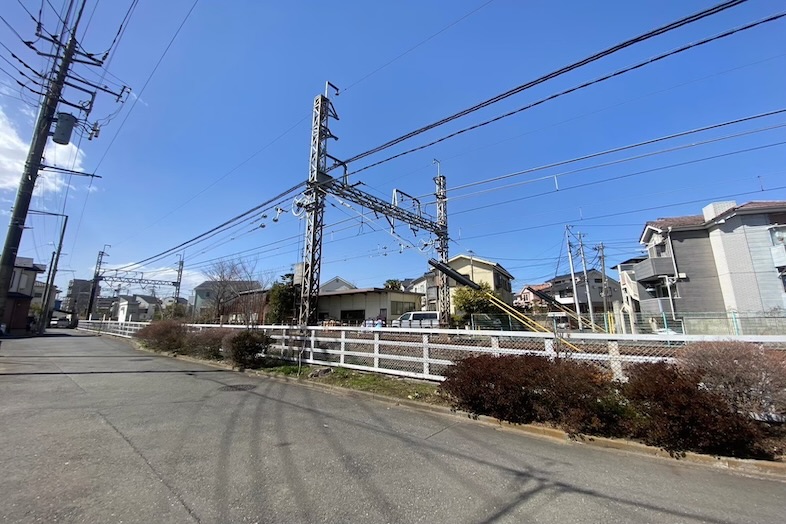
(630, 212)
(619, 177)
(620, 148)
(518, 89)
(571, 90)
(147, 82)
(556, 176)
(230, 221)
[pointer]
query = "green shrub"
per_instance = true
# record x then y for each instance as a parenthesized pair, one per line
(205, 343)
(244, 348)
(163, 335)
(674, 412)
(576, 396)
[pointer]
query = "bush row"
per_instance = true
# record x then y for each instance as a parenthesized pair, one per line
(240, 347)
(718, 398)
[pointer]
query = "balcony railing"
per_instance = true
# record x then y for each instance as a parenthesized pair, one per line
(652, 268)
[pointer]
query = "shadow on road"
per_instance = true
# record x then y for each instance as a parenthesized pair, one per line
(130, 372)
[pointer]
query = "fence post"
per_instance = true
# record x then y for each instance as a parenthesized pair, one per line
(343, 347)
(615, 361)
(549, 347)
(313, 344)
(495, 346)
(426, 367)
(376, 350)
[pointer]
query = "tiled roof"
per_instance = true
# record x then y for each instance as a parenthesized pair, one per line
(665, 223)
(762, 204)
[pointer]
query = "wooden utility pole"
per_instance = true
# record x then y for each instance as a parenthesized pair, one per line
(43, 126)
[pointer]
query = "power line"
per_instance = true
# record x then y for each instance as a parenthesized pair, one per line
(422, 42)
(147, 82)
(555, 177)
(621, 148)
(631, 212)
(571, 90)
(554, 74)
(128, 113)
(217, 228)
(619, 177)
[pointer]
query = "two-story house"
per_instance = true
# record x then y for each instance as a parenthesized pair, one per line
(476, 269)
(211, 297)
(20, 293)
(731, 258)
(561, 288)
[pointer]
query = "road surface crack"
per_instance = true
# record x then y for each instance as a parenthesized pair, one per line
(154, 470)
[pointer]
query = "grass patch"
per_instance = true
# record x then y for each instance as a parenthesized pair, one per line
(395, 387)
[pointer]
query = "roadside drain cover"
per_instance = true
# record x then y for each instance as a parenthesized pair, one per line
(143, 359)
(238, 387)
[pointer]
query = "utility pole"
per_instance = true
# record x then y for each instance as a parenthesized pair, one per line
(443, 291)
(179, 278)
(604, 285)
(586, 279)
(50, 284)
(573, 278)
(33, 163)
(96, 280)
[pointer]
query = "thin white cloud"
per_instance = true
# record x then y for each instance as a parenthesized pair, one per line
(13, 153)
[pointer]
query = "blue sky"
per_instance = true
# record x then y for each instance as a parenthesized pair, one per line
(224, 124)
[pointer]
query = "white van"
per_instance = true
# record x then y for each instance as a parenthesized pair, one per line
(418, 319)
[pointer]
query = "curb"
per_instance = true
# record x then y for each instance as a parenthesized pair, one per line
(776, 470)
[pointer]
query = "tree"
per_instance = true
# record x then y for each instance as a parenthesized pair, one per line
(393, 284)
(228, 279)
(281, 301)
(472, 301)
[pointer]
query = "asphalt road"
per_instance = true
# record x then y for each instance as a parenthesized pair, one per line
(95, 431)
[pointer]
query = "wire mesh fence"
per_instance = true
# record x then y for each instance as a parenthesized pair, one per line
(427, 354)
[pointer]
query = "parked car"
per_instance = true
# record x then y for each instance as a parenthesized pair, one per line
(417, 319)
(59, 322)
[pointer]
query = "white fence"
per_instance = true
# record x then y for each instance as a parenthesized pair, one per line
(426, 353)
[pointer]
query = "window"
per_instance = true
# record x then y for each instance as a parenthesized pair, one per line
(599, 281)
(661, 250)
(399, 308)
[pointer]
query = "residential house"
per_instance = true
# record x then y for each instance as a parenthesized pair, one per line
(20, 294)
(137, 308)
(210, 297)
(248, 307)
(476, 269)
(482, 272)
(426, 287)
(731, 259)
(78, 296)
(39, 288)
(528, 300)
(561, 288)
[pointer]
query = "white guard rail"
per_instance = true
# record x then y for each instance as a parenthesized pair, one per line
(427, 353)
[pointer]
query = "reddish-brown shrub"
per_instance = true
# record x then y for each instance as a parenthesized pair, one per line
(674, 412)
(750, 378)
(205, 343)
(245, 347)
(520, 389)
(163, 335)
